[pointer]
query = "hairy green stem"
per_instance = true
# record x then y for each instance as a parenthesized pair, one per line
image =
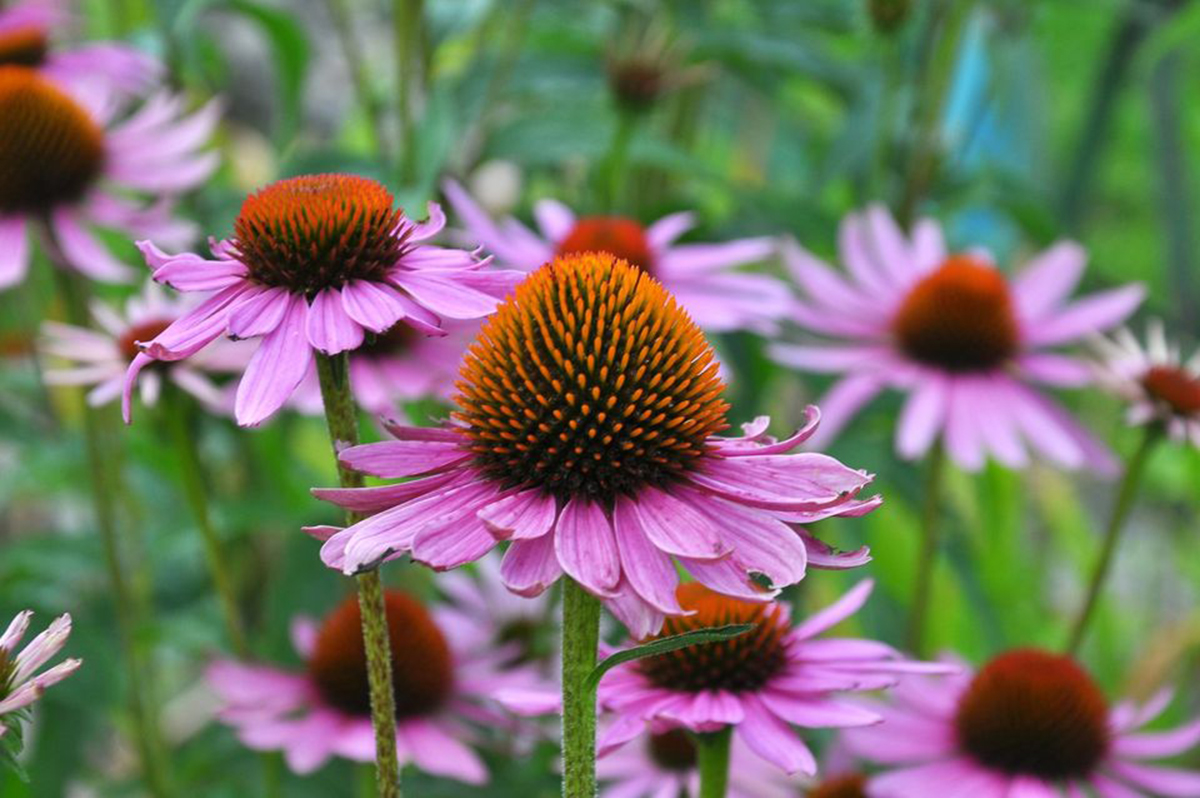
(177, 407)
(105, 485)
(580, 636)
(928, 552)
(712, 760)
(341, 417)
(1126, 493)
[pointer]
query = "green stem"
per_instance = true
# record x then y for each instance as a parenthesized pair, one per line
(580, 636)
(945, 25)
(341, 416)
(1124, 503)
(407, 17)
(177, 407)
(360, 75)
(104, 488)
(616, 163)
(712, 759)
(928, 552)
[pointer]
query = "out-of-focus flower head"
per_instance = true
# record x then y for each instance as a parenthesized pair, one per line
(100, 357)
(20, 682)
(28, 34)
(586, 434)
(73, 160)
(1160, 387)
(315, 265)
(964, 341)
(763, 683)
(1029, 723)
(702, 277)
(443, 677)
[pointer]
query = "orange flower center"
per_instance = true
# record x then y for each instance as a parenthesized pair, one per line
(849, 786)
(615, 235)
(23, 47)
(958, 318)
(146, 331)
(1032, 713)
(589, 381)
(318, 231)
(741, 664)
(50, 149)
(422, 664)
(672, 750)
(1175, 388)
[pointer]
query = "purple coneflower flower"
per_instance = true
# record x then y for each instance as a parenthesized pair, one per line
(586, 436)
(443, 678)
(68, 159)
(762, 683)
(959, 337)
(1160, 387)
(317, 263)
(26, 30)
(701, 277)
(662, 764)
(1029, 724)
(100, 357)
(20, 682)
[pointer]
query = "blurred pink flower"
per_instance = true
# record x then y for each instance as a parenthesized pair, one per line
(396, 366)
(100, 357)
(443, 673)
(959, 337)
(27, 33)
(20, 682)
(1160, 387)
(1029, 724)
(702, 277)
(74, 161)
(612, 504)
(661, 763)
(317, 262)
(762, 683)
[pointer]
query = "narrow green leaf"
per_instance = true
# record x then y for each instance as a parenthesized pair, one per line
(663, 645)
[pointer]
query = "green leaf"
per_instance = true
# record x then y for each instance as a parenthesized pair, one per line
(664, 645)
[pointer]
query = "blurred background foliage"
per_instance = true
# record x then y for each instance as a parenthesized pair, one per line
(1014, 122)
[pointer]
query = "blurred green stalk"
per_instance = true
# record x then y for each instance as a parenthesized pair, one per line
(177, 410)
(360, 76)
(341, 417)
(927, 554)
(580, 637)
(712, 760)
(407, 17)
(105, 486)
(1126, 493)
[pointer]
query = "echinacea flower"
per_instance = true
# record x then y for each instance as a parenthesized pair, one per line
(100, 357)
(1030, 724)
(20, 682)
(962, 339)
(701, 277)
(762, 683)
(586, 435)
(662, 764)
(74, 164)
(398, 365)
(442, 677)
(1160, 387)
(26, 33)
(317, 262)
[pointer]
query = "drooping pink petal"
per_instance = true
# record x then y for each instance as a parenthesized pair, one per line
(404, 458)
(14, 251)
(524, 515)
(674, 527)
(259, 312)
(649, 570)
(530, 566)
(276, 369)
(772, 739)
(837, 612)
(83, 252)
(375, 306)
(781, 481)
(329, 328)
(586, 548)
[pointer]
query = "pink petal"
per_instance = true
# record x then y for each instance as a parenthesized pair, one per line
(329, 328)
(83, 252)
(259, 312)
(14, 251)
(773, 740)
(586, 548)
(375, 306)
(837, 612)
(650, 572)
(530, 566)
(276, 369)
(674, 527)
(403, 458)
(781, 481)
(1093, 314)
(190, 272)
(1048, 279)
(525, 515)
